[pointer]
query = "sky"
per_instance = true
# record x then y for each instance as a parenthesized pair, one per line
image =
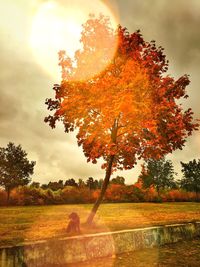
(29, 70)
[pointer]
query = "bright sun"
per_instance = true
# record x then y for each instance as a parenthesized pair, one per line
(57, 26)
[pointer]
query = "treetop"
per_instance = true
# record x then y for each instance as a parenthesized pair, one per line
(129, 107)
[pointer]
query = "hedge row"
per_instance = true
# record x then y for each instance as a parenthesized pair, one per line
(27, 195)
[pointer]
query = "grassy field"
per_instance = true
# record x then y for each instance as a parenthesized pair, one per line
(19, 224)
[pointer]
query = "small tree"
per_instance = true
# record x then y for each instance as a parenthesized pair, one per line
(191, 176)
(118, 180)
(15, 168)
(71, 182)
(128, 110)
(54, 186)
(35, 185)
(159, 173)
(81, 183)
(91, 183)
(44, 186)
(100, 183)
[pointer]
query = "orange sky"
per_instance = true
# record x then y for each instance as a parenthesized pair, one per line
(26, 83)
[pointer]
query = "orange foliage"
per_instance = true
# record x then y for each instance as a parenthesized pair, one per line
(129, 109)
(179, 195)
(25, 195)
(139, 184)
(115, 192)
(95, 194)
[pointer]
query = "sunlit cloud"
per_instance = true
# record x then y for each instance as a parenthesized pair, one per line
(57, 25)
(25, 83)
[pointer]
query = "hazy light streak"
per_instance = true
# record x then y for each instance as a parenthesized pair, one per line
(57, 26)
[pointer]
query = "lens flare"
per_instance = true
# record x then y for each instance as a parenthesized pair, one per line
(57, 25)
(53, 245)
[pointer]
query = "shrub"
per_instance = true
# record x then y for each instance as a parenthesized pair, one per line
(180, 195)
(29, 195)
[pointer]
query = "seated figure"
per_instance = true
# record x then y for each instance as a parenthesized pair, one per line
(74, 223)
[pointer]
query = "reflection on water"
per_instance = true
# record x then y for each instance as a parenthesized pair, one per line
(181, 254)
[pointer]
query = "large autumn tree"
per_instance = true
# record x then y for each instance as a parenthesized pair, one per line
(126, 111)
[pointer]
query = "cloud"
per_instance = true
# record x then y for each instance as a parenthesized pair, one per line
(24, 85)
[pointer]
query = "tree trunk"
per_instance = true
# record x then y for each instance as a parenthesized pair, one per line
(196, 196)
(8, 195)
(103, 190)
(158, 190)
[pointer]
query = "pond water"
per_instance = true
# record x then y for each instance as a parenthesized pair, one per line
(181, 254)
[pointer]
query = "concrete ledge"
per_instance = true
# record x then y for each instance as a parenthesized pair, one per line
(66, 250)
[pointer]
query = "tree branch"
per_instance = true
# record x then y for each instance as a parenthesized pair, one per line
(121, 134)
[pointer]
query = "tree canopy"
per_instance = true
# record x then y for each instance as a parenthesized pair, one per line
(128, 110)
(159, 173)
(71, 182)
(15, 168)
(191, 175)
(118, 180)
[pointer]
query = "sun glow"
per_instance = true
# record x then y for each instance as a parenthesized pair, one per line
(57, 25)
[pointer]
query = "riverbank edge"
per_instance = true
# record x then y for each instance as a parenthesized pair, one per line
(61, 251)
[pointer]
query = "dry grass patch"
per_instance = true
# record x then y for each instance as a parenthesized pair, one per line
(19, 224)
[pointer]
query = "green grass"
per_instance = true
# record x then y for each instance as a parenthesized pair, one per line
(19, 224)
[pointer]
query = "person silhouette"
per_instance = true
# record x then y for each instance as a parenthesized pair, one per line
(74, 223)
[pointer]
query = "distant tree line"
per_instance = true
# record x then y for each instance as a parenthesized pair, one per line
(155, 183)
(160, 174)
(91, 183)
